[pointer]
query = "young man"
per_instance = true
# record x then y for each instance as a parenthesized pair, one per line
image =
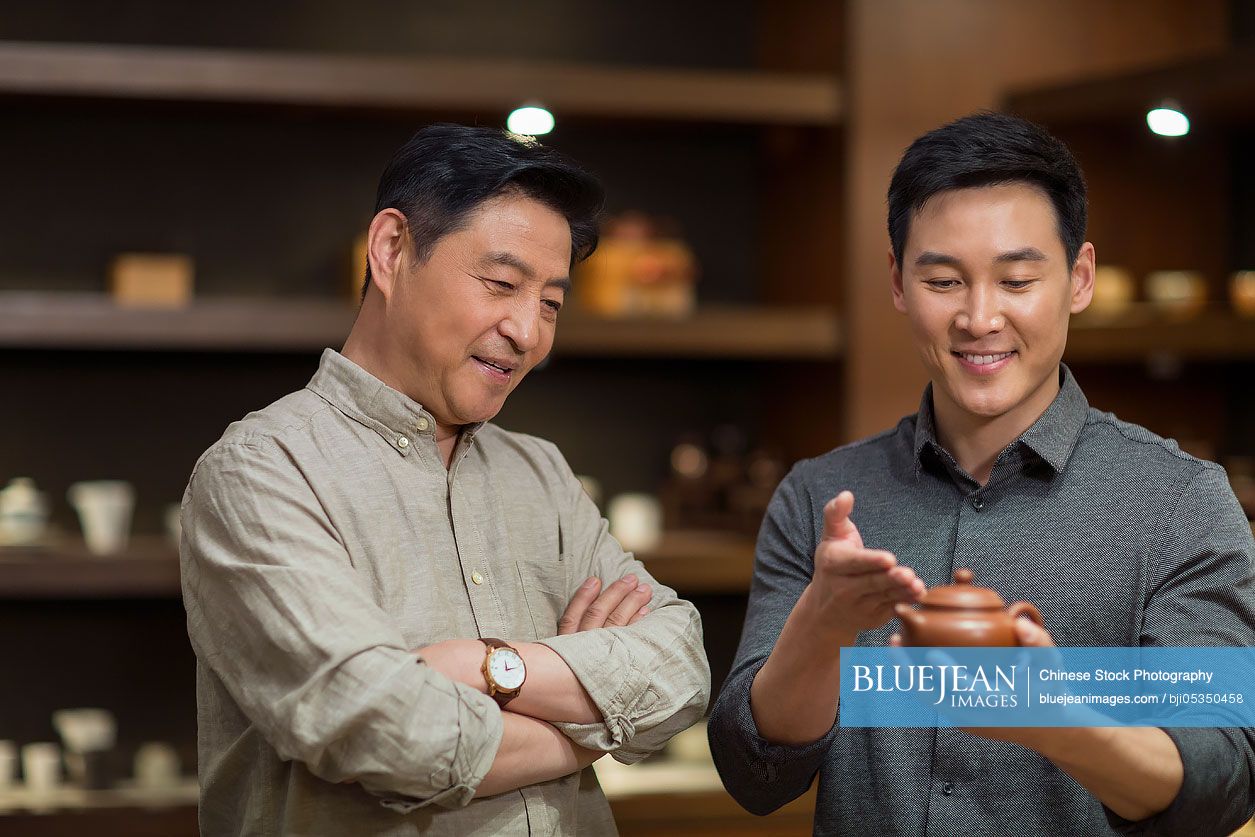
(397, 608)
(1117, 536)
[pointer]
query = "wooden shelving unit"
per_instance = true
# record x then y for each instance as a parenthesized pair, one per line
(92, 321)
(1220, 87)
(1144, 332)
(414, 84)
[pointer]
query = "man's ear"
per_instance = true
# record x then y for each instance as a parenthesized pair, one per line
(386, 243)
(1082, 279)
(895, 282)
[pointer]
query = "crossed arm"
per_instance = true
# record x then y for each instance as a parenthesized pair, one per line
(532, 750)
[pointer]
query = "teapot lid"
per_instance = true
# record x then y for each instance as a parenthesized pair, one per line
(962, 594)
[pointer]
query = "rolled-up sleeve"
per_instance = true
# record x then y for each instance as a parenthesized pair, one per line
(276, 612)
(649, 680)
(759, 774)
(1205, 595)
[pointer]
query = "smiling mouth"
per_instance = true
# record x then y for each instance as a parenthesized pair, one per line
(504, 370)
(983, 360)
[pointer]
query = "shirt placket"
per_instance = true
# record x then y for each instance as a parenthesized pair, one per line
(949, 783)
(483, 592)
(477, 575)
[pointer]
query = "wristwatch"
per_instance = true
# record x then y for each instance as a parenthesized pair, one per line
(503, 670)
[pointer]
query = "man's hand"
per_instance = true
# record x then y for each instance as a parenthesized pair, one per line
(624, 602)
(853, 587)
(794, 695)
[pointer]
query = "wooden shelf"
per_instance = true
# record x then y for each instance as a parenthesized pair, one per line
(702, 562)
(746, 332)
(1219, 88)
(92, 321)
(692, 562)
(1143, 333)
(414, 83)
(148, 569)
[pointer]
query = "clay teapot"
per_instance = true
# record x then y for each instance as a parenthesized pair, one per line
(963, 614)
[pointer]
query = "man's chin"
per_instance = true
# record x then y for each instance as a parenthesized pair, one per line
(474, 414)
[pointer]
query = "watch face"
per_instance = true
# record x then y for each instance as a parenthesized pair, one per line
(507, 669)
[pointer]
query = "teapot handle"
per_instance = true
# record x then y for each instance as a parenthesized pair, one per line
(1026, 609)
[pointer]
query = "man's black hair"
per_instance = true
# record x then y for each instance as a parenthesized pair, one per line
(444, 172)
(988, 149)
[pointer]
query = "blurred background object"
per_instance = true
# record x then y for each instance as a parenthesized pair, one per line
(747, 141)
(640, 268)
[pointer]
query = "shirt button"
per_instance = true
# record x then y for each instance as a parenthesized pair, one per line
(947, 789)
(978, 503)
(403, 442)
(477, 577)
(422, 423)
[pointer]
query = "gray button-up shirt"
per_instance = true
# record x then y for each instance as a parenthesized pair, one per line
(323, 541)
(1118, 537)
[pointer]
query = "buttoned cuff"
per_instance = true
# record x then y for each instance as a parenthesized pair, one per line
(1214, 797)
(618, 687)
(749, 762)
(480, 729)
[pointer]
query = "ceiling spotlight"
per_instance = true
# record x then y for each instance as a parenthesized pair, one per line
(1168, 121)
(530, 121)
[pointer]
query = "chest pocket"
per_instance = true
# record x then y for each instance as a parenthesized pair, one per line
(543, 564)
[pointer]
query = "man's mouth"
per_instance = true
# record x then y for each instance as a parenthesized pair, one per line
(983, 359)
(501, 366)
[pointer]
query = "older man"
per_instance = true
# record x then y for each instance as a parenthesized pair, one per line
(406, 619)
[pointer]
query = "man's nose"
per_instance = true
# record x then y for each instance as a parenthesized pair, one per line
(981, 315)
(521, 326)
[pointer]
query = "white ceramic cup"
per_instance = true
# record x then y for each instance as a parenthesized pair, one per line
(104, 509)
(174, 524)
(41, 766)
(636, 521)
(8, 764)
(156, 765)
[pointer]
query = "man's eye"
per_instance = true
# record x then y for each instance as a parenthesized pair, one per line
(554, 304)
(941, 283)
(1018, 284)
(505, 286)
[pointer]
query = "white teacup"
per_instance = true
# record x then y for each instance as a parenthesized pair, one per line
(104, 509)
(636, 521)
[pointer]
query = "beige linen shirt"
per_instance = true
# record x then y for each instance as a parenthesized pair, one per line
(323, 541)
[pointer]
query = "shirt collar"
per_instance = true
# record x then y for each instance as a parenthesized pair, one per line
(1052, 437)
(361, 396)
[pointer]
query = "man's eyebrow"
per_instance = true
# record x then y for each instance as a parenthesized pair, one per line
(509, 260)
(513, 261)
(1024, 254)
(931, 257)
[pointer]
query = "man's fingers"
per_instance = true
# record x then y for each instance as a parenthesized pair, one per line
(574, 613)
(840, 558)
(1033, 635)
(639, 615)
(632, 602)
(837, 525)
(597, 613)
